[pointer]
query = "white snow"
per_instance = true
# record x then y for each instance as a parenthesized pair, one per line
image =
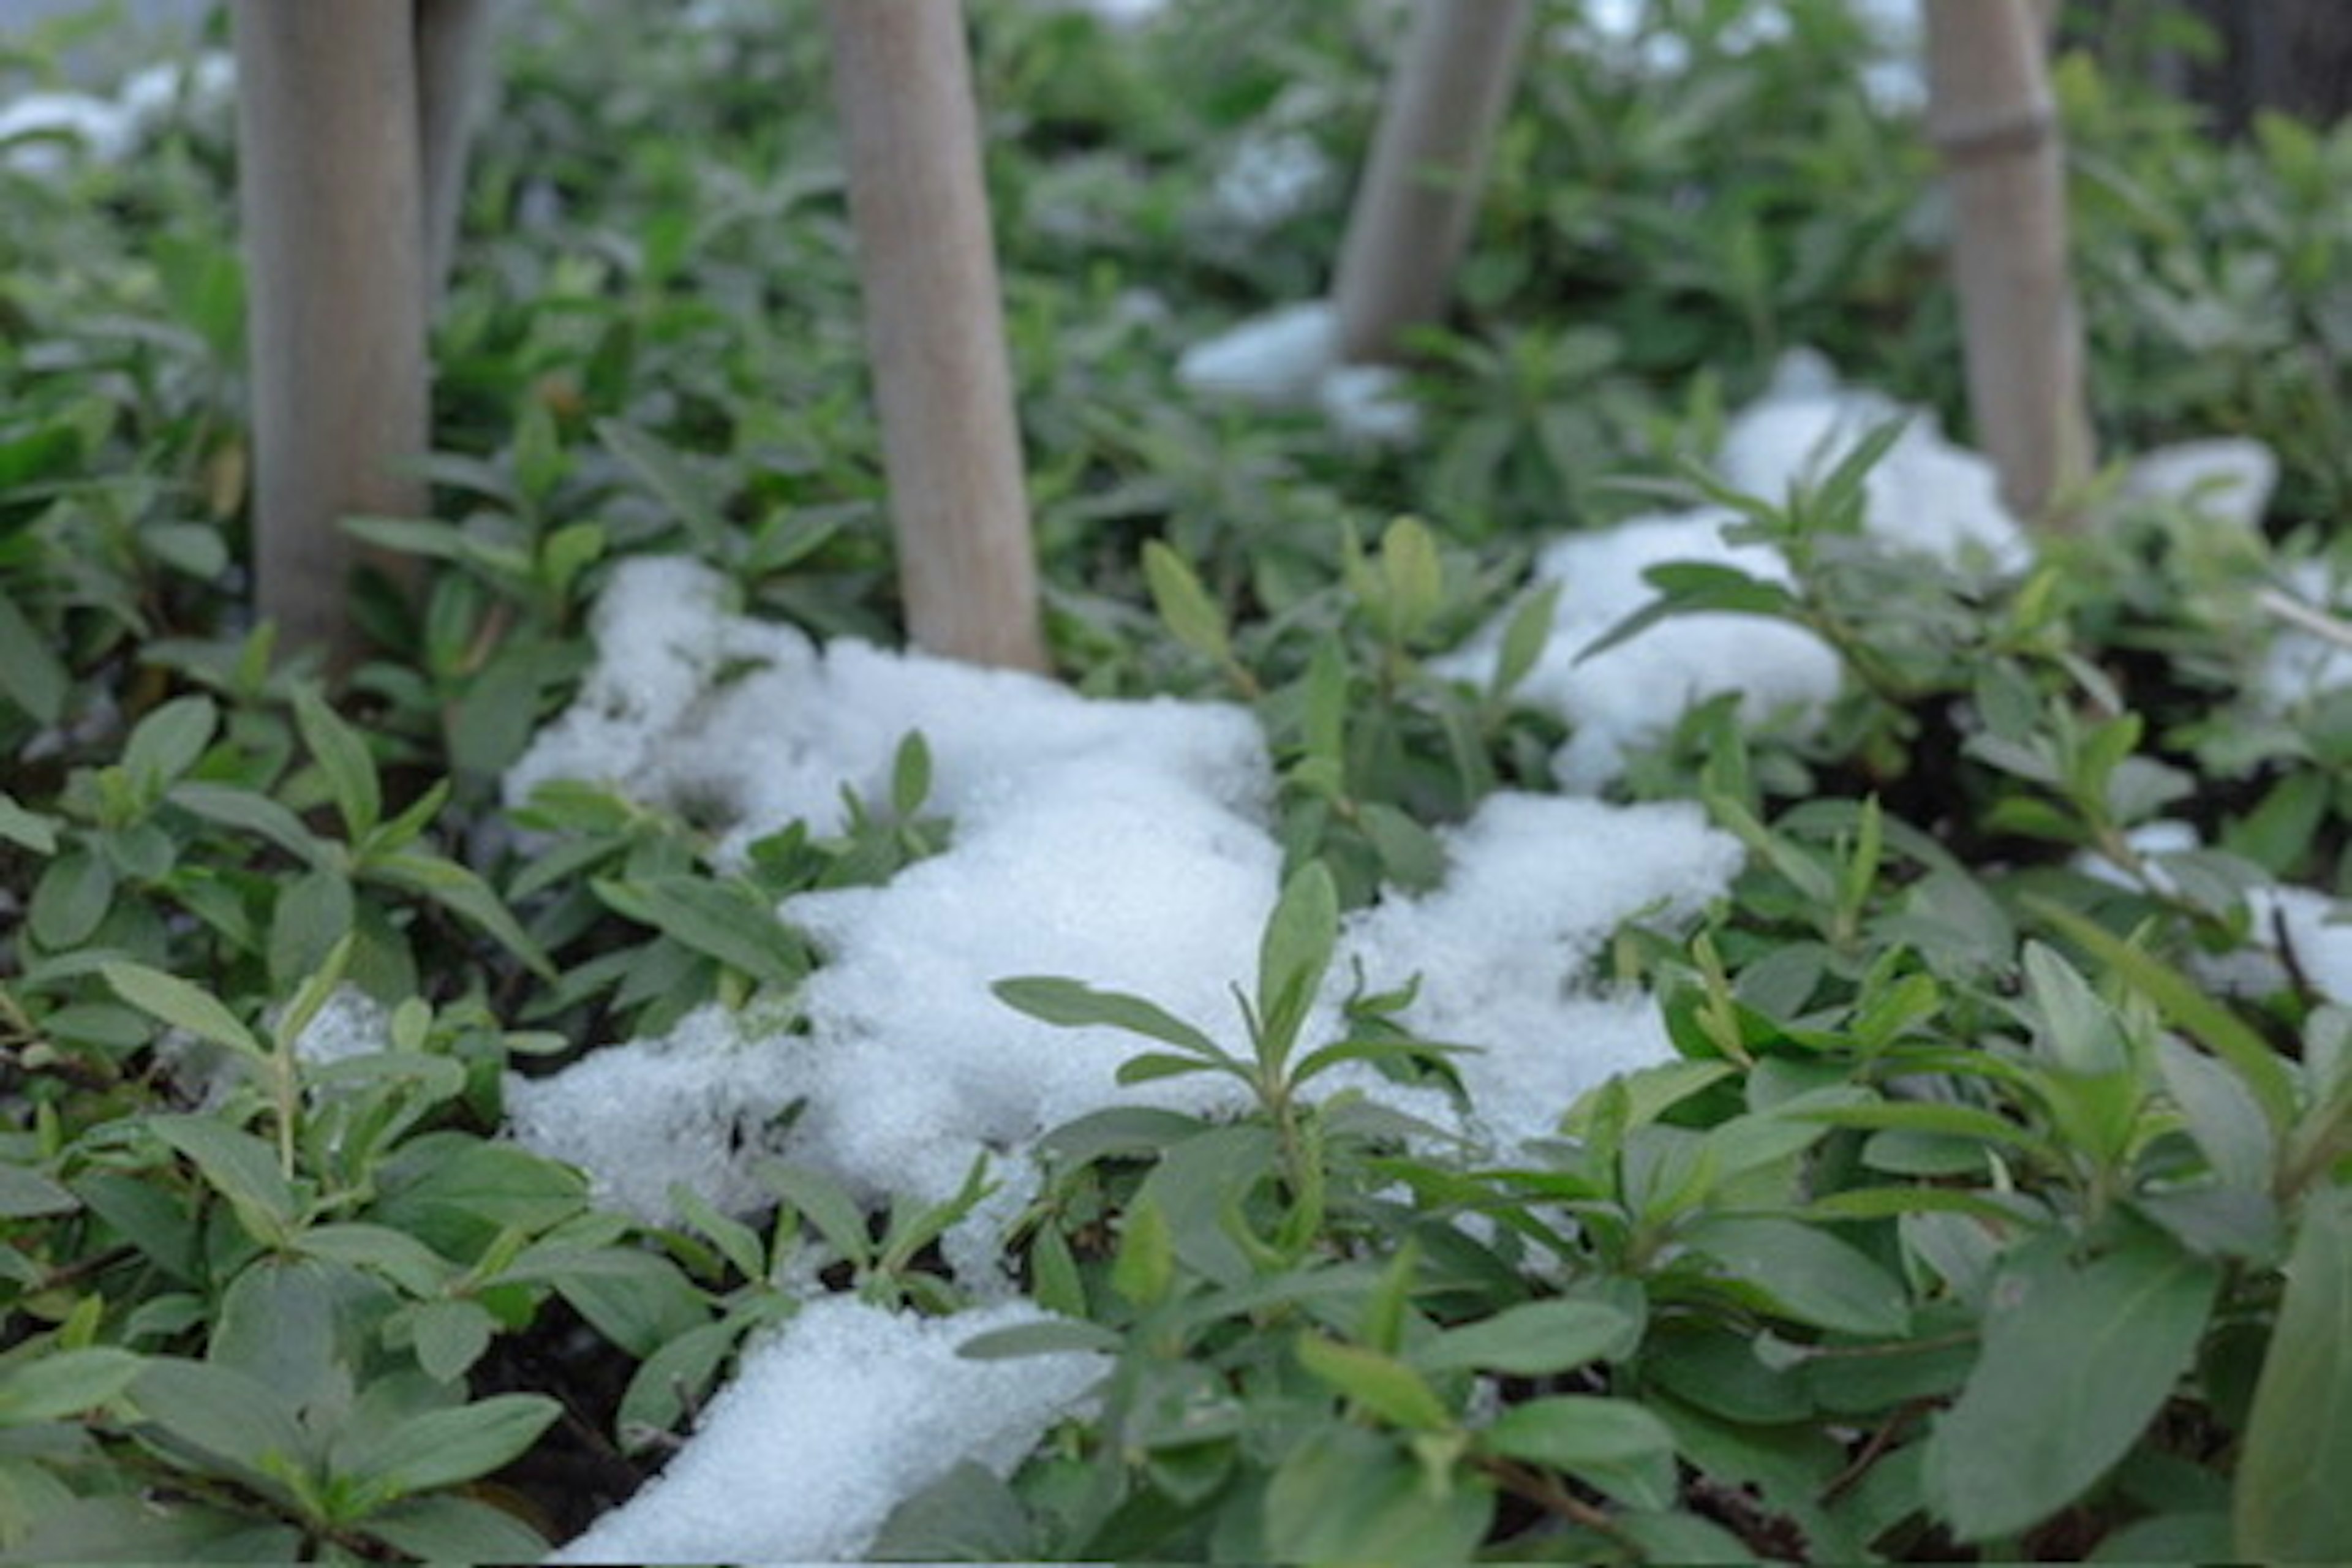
(1536, 886)
(43, 132)
(1121, 844)
(1637, 37)
(2286, 923)
(1927, 494)
(847, 1412)
(1289, 358)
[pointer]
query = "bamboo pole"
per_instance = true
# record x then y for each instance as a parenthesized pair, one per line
(453, 53)
(1413, 215)
(330, 187)
(952, 447)
(1993, 121)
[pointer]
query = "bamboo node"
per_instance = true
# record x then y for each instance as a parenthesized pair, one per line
(1994, 136)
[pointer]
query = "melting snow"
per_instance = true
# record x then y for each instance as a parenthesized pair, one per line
(847, 1412)
(1926, 494)
(40, 132)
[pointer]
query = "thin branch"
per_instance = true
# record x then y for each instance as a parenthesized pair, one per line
(2306, 617)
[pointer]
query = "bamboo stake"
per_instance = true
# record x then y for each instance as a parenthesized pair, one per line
(1412, 217)
(952, 446)
(1993, 119)
(453, 53)
(331, 192)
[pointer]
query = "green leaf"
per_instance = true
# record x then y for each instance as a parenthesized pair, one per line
(736, 1241)
(395, 1255)
(65, 1383)
(132, 1529)
(1807, 1274)
(255, 813)
(674, 1377)
(824, 1205)
(677, 486)
(1380, 1383)
(455, 1530)
(966, 1516)
(465, 895)
(1347, 1494)
(2077, 1030)
(1689, 586)
(221, 1411)
(314, 912)
(1144, 1271)
(1191, 617)
(1059, 1336)
(181, 1006)
(31, 674)
(1413, 577)
(167, 743)
(28, 829)
(1524, 638)
(2078, 1360)
(1071, 1005)
(910, 776)
(1580, 1434)
(2291, 1504)
(25, 1194)
(71, 898)
(723, 920)
(1294, 953)
(450, 1337)
(240, 1166)
(442, 1447)
(1536, 1338)
(342, 753)
(2190, 1009)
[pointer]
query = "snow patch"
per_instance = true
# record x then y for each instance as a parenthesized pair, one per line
(1289, 358)
(847, 1412)
(1925, 495)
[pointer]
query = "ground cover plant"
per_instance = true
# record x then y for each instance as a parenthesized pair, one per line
(1395, 1058)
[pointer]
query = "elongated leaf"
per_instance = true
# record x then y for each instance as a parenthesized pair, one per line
(1807, 1273)
(342, 753)
(181, 1006)
(230, 1415)
(400, 1257)
(1073, 1005)
(1380, 1383)
(255, 813)
(28, 829)
(1686, 587)
(1576, 1432)
(1189, 613)
(2190, 1009)
(240, 1166)
(2291, 1504)
(65, 1383)
(167, 743)
(720, 919)
(464, 894)
(1536, 1338)
(675, 485)
(31, 674)
(25, 1192)
(450, 1337)
(2077, 1360)
(823, 1204)
(442, 1448)
(455, 1530)
(1296, 950)
(1347, 1494)
(1058, 1336)
(1524, 638)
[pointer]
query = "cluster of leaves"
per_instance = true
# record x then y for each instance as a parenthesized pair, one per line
(1964, 1222)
